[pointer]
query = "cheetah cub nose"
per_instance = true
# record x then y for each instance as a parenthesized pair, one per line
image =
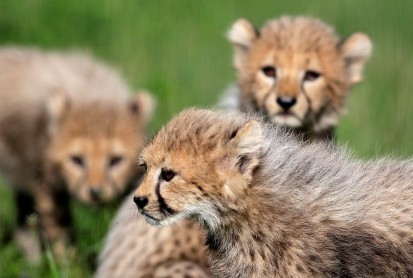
(140, 201)
(286, 102)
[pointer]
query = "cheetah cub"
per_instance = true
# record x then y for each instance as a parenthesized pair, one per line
(273, 206)
(68, 127)
(296, 72)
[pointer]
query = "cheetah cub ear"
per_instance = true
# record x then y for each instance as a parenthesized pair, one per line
(356, 50)
(245, 146)
(242, 35)
(142, 104)
(56, 108)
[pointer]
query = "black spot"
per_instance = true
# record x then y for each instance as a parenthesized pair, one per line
(314, 258)
(258, 237)
(198, 130)
(194, 250)
(299, 268)
(252, 255)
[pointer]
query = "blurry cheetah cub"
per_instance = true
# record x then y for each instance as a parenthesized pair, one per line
(68, 127)
(273, 206)
(296, 72)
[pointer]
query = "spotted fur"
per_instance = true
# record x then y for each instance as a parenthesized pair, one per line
(296, 72)
(68, 127)
(273, 206)
(135, 249)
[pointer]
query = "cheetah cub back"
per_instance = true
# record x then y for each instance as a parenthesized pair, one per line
(296, 72)
(274, 206)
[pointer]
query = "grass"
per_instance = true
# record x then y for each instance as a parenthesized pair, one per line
(177, 50)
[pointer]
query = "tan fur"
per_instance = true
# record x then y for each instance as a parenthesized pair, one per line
(68, 125)
(273, 206)
(135, 249)
(294, 47)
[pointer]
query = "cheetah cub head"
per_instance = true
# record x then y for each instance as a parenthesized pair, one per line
(94, 145)
(296, 71)
(198, 161)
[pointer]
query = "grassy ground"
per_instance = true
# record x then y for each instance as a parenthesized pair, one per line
(177, 50)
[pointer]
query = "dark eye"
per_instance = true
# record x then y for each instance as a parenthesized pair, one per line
(167, 174)
(311, 75)
(115, 160)
(144, 166)
(77, 160)
(270, 71)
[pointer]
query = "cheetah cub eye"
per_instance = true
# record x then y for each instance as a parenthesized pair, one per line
(311, 75)
(143, 166)
(77, 160)
(115, 160)
(270, 71)
(167, 174)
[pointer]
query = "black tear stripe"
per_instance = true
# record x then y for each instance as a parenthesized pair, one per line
(310, 108)
(165, 209)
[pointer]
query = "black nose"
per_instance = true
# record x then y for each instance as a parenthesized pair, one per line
(95, 192)
(140, 201)
(286, 102)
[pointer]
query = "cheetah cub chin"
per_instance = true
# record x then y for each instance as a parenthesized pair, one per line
(296, 72)
(273, 206)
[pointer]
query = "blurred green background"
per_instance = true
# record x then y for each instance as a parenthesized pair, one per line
(178, 51)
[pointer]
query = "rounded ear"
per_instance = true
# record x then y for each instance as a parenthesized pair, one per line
(248, 139)
(245, 146)
(142, 104)
(241, 34)
(356, 51)
(56, 107)
(247, 142)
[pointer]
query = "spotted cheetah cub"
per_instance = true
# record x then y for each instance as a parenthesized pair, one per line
(296, 72)
(273, 206)
(68, 127)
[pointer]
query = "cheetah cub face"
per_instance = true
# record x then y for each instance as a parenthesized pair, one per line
(94, 147)
(296, 71)
(190, 171)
